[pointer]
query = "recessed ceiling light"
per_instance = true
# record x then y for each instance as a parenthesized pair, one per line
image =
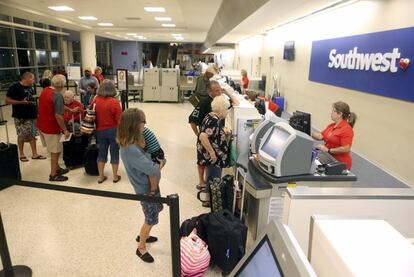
(179, 38)
(154, 9)
(61, 8)
(176, 35)
(131, 34)
(87, 17)
(159, 18)
(168, 25)
(105, 24)
(138, 36)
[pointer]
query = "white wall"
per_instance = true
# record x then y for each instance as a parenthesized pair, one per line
(384, 132)
(225, 58)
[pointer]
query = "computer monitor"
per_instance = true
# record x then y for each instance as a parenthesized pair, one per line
(276, 253)
(283, 151)
(289, 51)
(301, 121)
(261, 130)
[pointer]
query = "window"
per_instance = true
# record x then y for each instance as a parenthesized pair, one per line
(41, 58)
(7, 77)
(55, 58)
(4, 17)
(5, 37)
(22, 39)
(40, 41)
(7, 58)
(54, 28)
(25, 58)
(54, 45)
(20, 21)
(38, 24)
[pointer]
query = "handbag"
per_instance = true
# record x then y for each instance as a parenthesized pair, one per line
(88, 123)
(195, 257)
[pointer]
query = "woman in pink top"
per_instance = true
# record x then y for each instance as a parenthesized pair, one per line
(108, 114)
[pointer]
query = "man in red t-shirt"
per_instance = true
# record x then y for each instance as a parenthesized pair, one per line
(51, 123)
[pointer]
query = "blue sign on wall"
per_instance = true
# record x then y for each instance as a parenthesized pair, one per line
(378, 63)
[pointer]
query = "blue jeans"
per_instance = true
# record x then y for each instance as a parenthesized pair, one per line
(213, 171)
(106, 139)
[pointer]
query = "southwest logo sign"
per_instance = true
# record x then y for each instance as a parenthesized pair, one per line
(376, 63)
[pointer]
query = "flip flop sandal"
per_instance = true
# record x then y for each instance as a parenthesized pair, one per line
(150, 239)
(24, 159)
(103, 180)
(145, 257)
(39, 157)
(118, 179)
(200, 187)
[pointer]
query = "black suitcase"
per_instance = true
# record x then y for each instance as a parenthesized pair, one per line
(90, 160)
(226, 238)
(199, 222)
(74, 151)
(9, 156)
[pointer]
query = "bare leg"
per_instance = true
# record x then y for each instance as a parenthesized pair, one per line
(200, 175)
(20, 145)
(115, 171)
(101, 167)
(33, 146)
(143, 235)
(54, 163)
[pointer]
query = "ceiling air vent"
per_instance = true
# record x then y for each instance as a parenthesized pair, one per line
(132, 18)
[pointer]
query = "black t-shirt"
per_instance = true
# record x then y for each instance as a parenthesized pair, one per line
(203, 109)
(19, 92)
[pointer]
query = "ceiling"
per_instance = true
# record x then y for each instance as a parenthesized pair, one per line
(193, 18)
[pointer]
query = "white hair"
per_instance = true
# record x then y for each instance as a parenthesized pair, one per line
(59, 81)
(219, 104)
(70, 94)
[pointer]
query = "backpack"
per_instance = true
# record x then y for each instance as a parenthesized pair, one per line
(199, 223)
(195, 257)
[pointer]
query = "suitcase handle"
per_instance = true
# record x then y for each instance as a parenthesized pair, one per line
(242, 166)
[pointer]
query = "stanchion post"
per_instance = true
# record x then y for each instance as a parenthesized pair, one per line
(8, 269)
(175, 234)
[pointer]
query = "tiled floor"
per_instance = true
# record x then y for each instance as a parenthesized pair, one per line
(64, 234)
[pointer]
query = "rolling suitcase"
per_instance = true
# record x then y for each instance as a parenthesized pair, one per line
(90, 159)
(9, 156)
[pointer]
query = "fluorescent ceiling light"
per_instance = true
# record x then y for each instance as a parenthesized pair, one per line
(154, 9)
(131, 34)
(176, 35)
(61, 8)
(168, 25)
(138, 36)
(179, 38)
(87, 17)
(105, 24)
(158, 18)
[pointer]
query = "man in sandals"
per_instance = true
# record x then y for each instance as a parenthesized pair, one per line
(51, 124)
(24, 112)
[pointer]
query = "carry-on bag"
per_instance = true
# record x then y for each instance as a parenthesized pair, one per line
(74, 149)
(226, 238)
(90, 159)
(195, 257)
(200, 223)
(238, 195)
(9, 156)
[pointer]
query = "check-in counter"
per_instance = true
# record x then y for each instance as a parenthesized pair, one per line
(264, 192)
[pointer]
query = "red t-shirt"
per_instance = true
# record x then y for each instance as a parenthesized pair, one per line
(341, 135)
(272, 105)
(77, 116)
(46, 121)
(108, 113)
(99, 77)
(245, 82)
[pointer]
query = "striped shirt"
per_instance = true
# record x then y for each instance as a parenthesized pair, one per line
(151, 143)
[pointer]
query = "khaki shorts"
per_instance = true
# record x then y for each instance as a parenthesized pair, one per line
(51, 142)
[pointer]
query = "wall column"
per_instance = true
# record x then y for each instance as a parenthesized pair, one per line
(88, 49)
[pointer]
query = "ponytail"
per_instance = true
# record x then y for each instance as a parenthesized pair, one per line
(352, 118)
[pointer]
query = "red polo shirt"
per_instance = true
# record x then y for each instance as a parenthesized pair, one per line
(341, 135)
(272, 105)
(76, 116)
(46, 121)
(108, 113)
(245, 82)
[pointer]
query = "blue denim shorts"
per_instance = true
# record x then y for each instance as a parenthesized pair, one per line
(151, 211)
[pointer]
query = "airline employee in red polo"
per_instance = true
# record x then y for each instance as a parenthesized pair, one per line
(338, 135)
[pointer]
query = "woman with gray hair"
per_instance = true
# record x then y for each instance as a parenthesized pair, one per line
(108, 113)
(212, 144)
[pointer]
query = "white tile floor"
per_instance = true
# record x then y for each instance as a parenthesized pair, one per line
(63, 234)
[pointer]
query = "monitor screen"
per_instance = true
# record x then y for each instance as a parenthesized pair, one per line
(275, 142)
(289, 51)
(301, 121)
(262, 262)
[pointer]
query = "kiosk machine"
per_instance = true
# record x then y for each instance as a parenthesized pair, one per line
(276, 253)
(284, 151)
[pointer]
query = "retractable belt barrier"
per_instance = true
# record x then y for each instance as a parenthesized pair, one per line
(171, 200)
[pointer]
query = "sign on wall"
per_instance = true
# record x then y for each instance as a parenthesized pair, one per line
(122, 78)
(377, 63)
(74, 71)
